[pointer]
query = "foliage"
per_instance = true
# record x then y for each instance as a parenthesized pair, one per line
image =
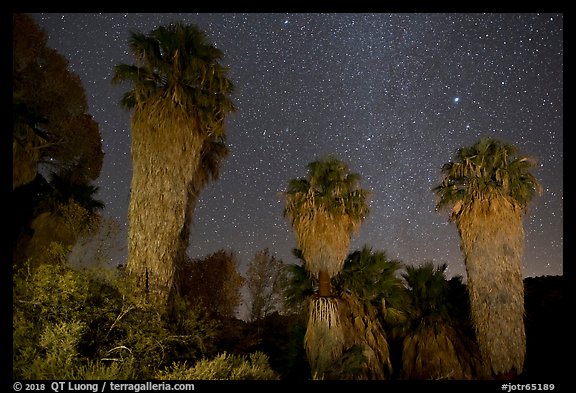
(213, 282)
(52, 130)
(53, 138)
(300, 285)
(266, 279)
(325, 209)
(486, 170)
(57, 231)
(367, 274)
(371, 276)
(333, 189)
(437, 343)
(178, 62)
(87, 324)
(223, 367)
(370, 291)
(428, 287)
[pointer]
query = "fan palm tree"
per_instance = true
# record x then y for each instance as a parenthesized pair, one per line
(367, 282)
(325, 209)
(180, 98)
(488, 188)
(436, 344)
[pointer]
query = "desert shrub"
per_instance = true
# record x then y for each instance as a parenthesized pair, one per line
(87, 324)
(224, 366)
(54, 356)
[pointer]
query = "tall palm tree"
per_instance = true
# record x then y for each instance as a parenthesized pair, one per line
(435, 344)
(488, 188)
(180, 98)
(325, 209)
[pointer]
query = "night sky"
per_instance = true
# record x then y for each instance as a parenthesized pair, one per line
(392, 95)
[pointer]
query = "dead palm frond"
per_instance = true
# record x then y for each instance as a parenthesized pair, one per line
(363, 329)
(325, 209)
(324, 339)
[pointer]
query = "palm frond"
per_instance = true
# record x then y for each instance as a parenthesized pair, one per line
(324, 339)
(325, 209)
(488, 169)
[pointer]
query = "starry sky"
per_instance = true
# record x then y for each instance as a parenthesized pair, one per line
(393, 95)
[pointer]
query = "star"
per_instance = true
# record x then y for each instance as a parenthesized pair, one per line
(331, 83)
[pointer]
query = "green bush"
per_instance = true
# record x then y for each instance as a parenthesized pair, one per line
(225, 366)
(87, 324)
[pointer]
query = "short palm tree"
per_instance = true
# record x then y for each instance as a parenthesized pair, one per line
(325, 209)
(180, 98)
(488, 188)
(435, 344)
(366, 283)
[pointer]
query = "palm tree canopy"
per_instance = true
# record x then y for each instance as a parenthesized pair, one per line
(429, 290)
(370, 276)
(488, 169)
(329, 187)
(177, 63)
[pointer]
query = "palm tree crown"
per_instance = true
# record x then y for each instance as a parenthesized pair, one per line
(325, 209)
(330, 187)
(177, 62)
(486, 170)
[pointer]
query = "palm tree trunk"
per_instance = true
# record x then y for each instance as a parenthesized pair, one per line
(165, 156)
(492, 238)
(324, 287)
